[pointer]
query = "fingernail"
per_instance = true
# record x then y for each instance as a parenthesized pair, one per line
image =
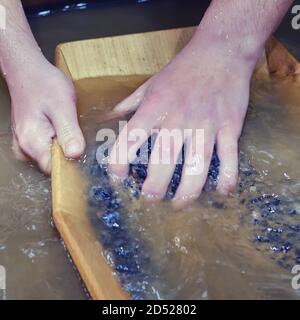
(73, 148)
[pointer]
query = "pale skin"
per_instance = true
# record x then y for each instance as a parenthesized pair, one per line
(206, 86)
(43, 99)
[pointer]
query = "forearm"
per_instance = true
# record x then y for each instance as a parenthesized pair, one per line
(18, 48)
(241, 28)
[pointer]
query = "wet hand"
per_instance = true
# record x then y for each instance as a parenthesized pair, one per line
(44, 106)
(202, 88)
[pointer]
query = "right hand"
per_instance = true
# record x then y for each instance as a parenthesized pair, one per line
(44, 107)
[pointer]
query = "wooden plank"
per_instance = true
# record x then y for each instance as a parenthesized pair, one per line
(117, 58)
(136, 54)
(108, 58)
(71, 219)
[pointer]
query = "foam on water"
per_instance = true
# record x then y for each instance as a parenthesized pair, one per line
(243, 246)
(30, 247)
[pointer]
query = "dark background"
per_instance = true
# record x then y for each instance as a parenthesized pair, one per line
(115, 17)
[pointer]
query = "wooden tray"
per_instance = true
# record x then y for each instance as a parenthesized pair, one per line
(138, 55)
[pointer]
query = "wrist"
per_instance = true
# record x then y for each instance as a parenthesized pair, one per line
(240, 47)
(24, 67)
(20, 56)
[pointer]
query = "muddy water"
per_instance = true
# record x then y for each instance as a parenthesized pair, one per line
(210, 250)
(202, 252)
(30, 249)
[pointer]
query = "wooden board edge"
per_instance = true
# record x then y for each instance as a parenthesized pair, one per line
(94, 287)
(58, 156)
(61, 46)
